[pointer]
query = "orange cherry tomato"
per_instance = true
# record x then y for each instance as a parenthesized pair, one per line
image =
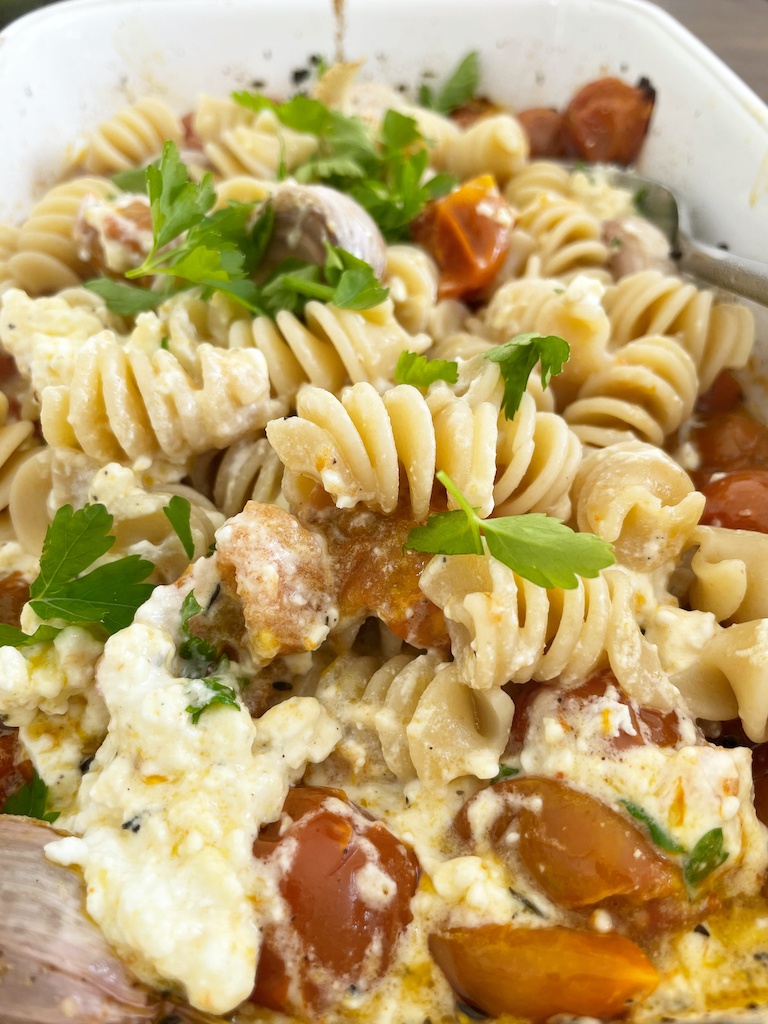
(738, 501)
(607, 120)
(535, 973)
(724, 395)
(577, 849)
(467, 233)
(342, 925)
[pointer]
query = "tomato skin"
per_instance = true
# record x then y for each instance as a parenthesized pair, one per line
(578, 850)
(14, 594)
(331, 937)
(738, 501)
(729, 441)
(467, 233)
(607, 120)
(535, 973)
(760, 780)
(725, 395)
(13, 773)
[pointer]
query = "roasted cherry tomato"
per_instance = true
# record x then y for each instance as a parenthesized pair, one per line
(607, 120)
(577, 849)
(13, 773)
(649, 726)
(738, 501)
(545, 128)
(724, 395)
(14, 594)
(729, 441)
(467, 233)
(475, 110)
(535, 973)
(347, 882)
(377, 574)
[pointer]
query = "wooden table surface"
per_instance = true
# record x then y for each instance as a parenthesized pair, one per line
(737, 31)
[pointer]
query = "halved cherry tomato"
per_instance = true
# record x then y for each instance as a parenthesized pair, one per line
(738, 501)
(729, 441)
(607, 120)
(347, 882)
(467, 233)
(535, 973)
(577, 849)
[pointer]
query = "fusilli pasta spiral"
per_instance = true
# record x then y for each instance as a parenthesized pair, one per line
(131, 138)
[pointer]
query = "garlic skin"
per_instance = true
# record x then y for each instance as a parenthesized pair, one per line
(55, 964)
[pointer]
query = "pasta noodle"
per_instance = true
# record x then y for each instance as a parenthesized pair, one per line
(370, 715)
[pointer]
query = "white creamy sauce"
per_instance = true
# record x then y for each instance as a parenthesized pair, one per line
(169, 811)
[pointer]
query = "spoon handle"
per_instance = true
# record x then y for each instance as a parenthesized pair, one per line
(748, 278)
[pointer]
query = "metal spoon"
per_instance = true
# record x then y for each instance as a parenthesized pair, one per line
(661, 207)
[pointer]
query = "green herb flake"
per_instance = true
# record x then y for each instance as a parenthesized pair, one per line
(537, 547)
(178, 512)
(506, 771)
(30, 801)
(421, 372)
(109, 595)
(460, 87)
(657, 833)
(218, 693)
(199, 657)
(706, 856)
(517, 358)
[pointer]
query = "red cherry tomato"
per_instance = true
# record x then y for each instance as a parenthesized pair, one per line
(738, 501)
(13, 773)
(724, 395)
(535, 973)
(607, 120)
(760, 780)
(729, 441)
(467, 233)
(347, 883)
(14, 594)
(545, 129)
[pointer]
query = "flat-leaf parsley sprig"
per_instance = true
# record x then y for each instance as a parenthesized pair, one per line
(537, 547)
(459, 88)
(518, 356)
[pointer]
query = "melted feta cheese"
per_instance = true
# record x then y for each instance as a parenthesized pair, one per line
(169, 812)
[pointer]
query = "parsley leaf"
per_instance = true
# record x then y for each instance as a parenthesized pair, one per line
(109, 594)
(421, 372)
(657, 833)
(198, 655)
(707, 855)
(178, 512)
(125, 299)
(516, 359)
(219, 693)
(459, 89)
(132, 180)
(30, 801)
(11, 636)
(505, 771)
(537, 547)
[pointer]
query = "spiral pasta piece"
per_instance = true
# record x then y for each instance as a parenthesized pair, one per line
(537, 456)
(505, 629)
(637, 498)
(412, 276)
(9, 241)
(730, 570)
(123, 405)
(17, 446)
(247, 471)
(356, 446)
(716, 335)
(334, 346)
(568, 237)
(544, 306)
(258, 146)
(434, 727)
(536, 177)
(131, 138)
(53, 477)
(648, 389)
(47, 257)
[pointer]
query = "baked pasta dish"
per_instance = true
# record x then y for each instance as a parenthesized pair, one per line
(384, 574)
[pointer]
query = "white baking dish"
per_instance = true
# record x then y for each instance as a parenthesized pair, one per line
(64, 68)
